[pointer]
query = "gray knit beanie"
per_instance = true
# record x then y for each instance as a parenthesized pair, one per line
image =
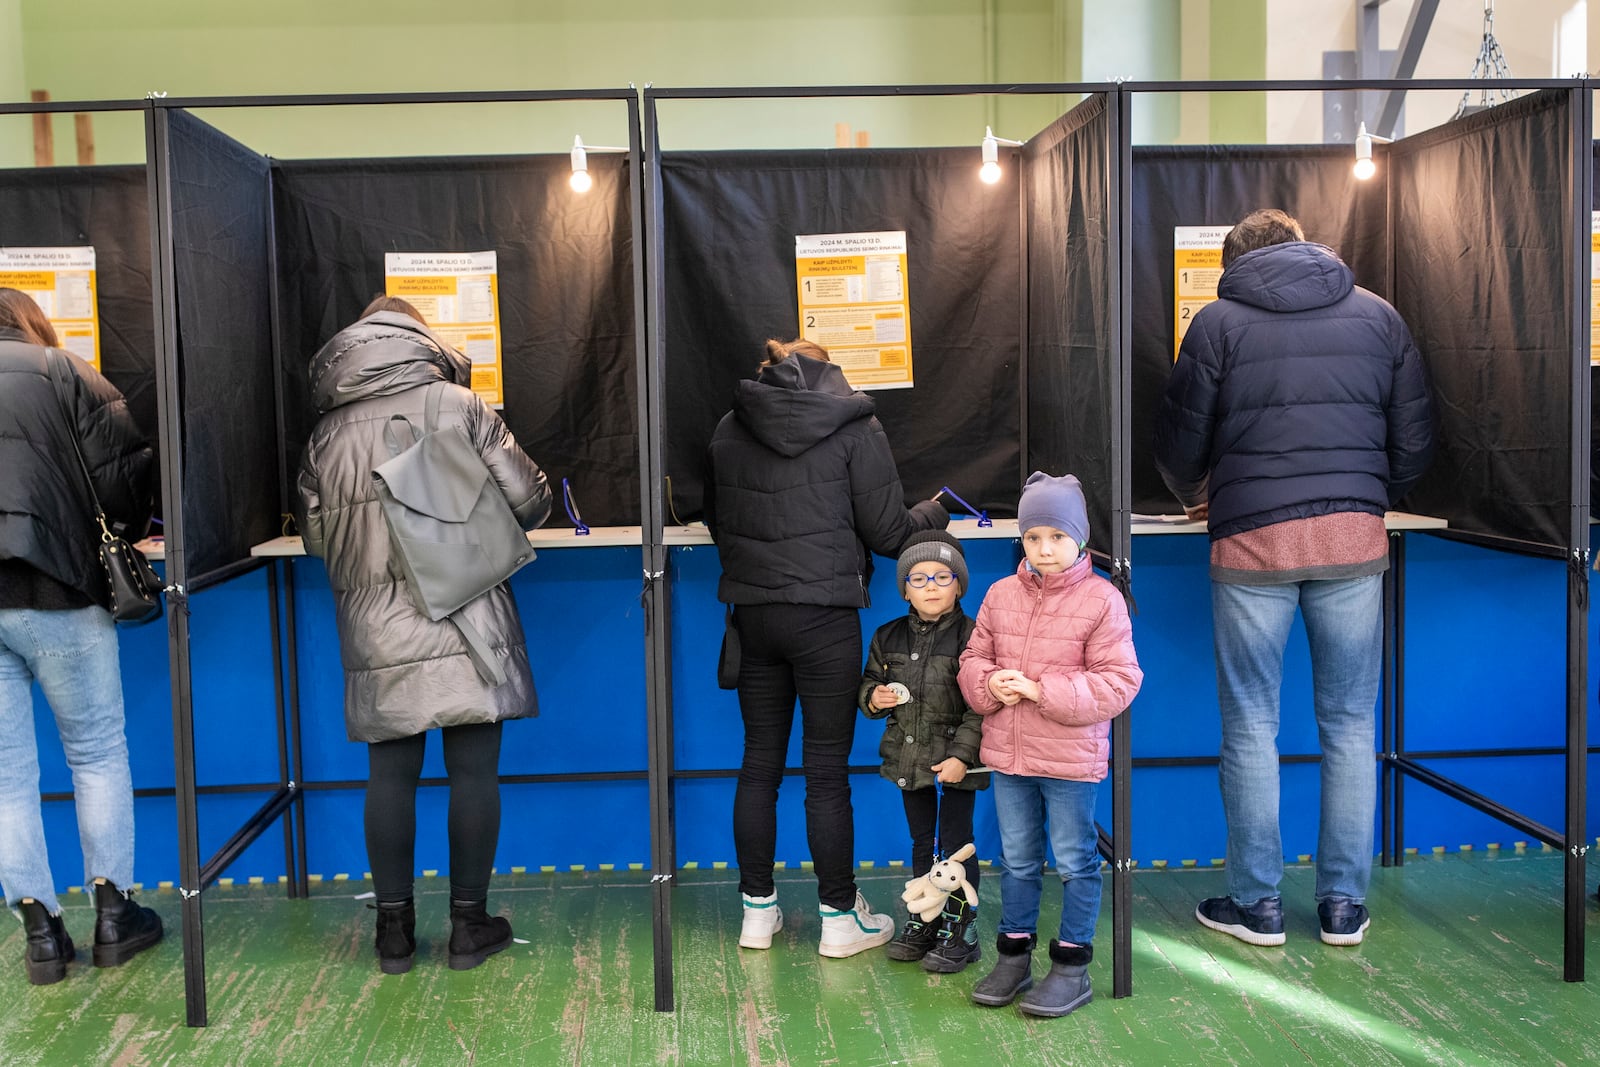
(1057, 502)
(933, 546)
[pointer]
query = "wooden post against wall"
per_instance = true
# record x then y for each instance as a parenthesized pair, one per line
(863, 139)
(83, 126)
(44, 140)
(841, 135)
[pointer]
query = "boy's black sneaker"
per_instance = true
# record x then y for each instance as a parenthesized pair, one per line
(1344, 922)
(1259, 924)
(913, 941)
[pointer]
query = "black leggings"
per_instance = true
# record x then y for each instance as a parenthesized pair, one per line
(472, 761)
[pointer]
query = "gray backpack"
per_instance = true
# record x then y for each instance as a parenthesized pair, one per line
(451, 527)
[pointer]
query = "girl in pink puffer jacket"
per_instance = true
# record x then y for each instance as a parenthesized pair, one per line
(1049, 665)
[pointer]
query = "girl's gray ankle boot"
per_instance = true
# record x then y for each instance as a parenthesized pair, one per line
(1066, 988)
(1012, 974)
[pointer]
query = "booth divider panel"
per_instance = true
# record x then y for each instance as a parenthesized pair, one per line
(730, 223)
(1217, 186)
(221, 229)
(1490, 191)
(1070, 302)
(565, 282)
(108, 208)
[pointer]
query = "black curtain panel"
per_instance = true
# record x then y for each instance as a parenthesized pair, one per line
(1070, 303)
(108, 208)
(730, 220)
(221, 230)
(565, 277)
(1217, 186)
(1481, 248)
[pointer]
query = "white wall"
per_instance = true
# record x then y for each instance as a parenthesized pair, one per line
(1299, 31)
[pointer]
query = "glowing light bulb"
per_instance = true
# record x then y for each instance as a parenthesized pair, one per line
(1365, 168)
(581, 182)
(989, 172)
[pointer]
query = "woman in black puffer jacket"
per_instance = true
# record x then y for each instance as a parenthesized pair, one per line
(404, 673)
(802, 490)
(55, 630)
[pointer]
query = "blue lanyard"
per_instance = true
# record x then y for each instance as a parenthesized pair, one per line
(938, 795)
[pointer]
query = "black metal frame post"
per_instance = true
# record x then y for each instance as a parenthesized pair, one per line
(648, 295)
(169, 400)
(1580, 125)
(1120, 199)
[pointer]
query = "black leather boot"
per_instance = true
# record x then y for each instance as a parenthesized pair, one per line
(956, 943)
(1012, 974)
(475, 935)
(49, 949)
(122, 929)
(1066, 988)
(396, 940)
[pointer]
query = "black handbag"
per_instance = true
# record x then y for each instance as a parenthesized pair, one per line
(134, 584)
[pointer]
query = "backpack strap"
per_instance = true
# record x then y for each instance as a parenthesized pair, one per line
(478, 650)
(430, 418)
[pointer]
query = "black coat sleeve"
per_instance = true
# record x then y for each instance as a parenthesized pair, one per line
(1410, 418)
(120, 460)
(877, 501)
(1188, 417)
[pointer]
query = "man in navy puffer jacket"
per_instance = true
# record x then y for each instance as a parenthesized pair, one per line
(1297, 413)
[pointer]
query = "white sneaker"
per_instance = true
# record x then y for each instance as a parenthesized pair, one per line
(762, 919)
(845, 933)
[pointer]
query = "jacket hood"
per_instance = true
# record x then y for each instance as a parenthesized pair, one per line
(385, 353)
(1296, 276)
(792, 405)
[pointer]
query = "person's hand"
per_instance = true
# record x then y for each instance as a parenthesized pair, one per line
(1009, 686)
(1025, 688)
(884, 698)
(950, 771)
(1200, 512)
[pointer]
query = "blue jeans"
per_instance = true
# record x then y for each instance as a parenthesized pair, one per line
(1023, 805)
(73, 657)
(1344, 626)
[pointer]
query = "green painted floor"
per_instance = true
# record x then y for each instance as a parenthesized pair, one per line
(1462, 966)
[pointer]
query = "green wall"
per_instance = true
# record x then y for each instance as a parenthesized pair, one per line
(100, 49)
(1239, 53)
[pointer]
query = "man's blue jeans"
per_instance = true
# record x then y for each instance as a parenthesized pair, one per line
(1023, 806)
(1344, 626)
(73, 657)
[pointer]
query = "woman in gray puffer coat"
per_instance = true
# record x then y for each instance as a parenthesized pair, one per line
(404, 673)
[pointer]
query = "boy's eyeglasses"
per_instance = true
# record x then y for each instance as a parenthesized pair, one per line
(920, 581)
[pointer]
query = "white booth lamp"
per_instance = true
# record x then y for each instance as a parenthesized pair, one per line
(1365, 168)
(580, 180)
(990, 171)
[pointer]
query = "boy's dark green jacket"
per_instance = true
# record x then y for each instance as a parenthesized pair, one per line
(936, 723)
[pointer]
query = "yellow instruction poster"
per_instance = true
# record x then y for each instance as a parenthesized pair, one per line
(853, 302)
(1196, 266)
(458, 294)
(61, 281)
(1594, 289)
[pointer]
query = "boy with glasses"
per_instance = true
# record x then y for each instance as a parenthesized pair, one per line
(931, 737)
